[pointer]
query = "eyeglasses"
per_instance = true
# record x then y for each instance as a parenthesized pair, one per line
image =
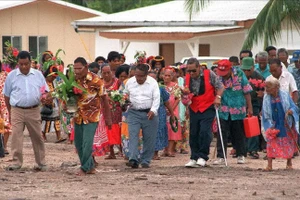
(192, 70)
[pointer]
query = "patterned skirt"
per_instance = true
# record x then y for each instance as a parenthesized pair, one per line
(283, 147)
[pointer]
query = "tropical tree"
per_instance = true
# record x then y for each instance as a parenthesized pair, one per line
(269, 22)
(113, 6)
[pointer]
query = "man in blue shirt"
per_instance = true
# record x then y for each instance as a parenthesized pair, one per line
(262, 66)
(23, 90)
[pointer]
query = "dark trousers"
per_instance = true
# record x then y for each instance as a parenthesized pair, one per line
(200, 133)
(236, 129)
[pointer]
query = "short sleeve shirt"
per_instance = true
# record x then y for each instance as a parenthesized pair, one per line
(233, 102)
(89, 101)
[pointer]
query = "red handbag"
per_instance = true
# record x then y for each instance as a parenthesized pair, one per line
(251, 127)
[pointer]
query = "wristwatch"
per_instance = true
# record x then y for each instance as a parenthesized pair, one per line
(218, 96)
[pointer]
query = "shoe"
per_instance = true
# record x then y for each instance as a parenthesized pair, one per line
(132, 164)
(144, 165)
(201, 162)
(13, 167)
(40, 168)
(219, 161)
(192, 164)
(241, 160)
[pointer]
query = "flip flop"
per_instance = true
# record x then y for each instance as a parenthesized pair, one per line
(61, 140)
(110, 157)
(268, 169)
(289, 167)
(156, 158)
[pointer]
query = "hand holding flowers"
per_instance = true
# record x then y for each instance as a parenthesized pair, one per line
(271, 133)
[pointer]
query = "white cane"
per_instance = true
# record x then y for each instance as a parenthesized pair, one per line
(221, 136)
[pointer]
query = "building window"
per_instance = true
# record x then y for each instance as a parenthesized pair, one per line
(16, 42)
(37, 45)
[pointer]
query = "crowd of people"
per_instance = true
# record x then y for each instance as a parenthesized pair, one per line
(163, 110)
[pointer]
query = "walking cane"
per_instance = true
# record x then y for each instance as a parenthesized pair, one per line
(221, 136)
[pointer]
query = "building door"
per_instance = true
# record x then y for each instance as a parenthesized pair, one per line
(168, 52)
(204, 50)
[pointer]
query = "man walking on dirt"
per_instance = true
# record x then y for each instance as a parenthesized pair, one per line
(207, 90)
(23, 93)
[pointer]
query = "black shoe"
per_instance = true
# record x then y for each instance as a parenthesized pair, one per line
(132, 164)
(144, 165)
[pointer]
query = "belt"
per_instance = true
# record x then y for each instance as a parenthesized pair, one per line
(30, 107)
(143, 110)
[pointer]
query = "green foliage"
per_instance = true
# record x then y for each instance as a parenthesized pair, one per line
(113, 6)
(65, 89)
(268, 24)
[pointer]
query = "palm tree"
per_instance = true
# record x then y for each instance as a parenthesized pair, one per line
(268, 24)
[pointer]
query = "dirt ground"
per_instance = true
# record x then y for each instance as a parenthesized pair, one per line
(166, 179)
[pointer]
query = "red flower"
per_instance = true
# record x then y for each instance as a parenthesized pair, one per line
(254, 82)
(53, 58)
(262, 85)
(8, 69)
(15, 52)
(77, 90)
(271, 133)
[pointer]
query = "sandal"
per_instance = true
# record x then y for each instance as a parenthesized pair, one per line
(171, 155)
(254, 155)
(289, 167)
(268, 169)
(156, 158)
(110, 157)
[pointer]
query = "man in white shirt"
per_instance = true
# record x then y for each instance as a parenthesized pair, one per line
(144, 96)
(286, 79)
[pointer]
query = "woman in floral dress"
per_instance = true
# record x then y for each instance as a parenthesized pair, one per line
(162, 132)
(171, 87)
(114, 134)
(4, 111)
(122, 73)
(280, 120)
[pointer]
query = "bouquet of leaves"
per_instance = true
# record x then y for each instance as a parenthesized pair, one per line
(271, 133)
(68, 88)
(11, 55)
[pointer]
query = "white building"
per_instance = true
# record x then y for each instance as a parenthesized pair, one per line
(164, 29)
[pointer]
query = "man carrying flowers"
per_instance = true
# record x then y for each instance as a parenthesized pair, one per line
(88, 113)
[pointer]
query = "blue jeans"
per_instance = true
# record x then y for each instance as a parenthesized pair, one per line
(137, 121)
(200, 133)
(83, 140)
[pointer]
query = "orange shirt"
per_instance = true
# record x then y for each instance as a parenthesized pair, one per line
(89, 102)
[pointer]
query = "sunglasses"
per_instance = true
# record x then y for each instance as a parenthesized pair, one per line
(192, 70)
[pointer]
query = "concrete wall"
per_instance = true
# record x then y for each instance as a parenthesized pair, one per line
(224, 45)
(43, 18)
